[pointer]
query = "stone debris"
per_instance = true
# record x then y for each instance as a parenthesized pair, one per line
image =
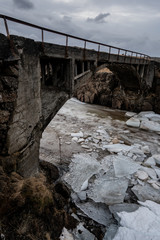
(80, 140)
(68, 143)
(78, 134)
(75, 139)
(85, 146)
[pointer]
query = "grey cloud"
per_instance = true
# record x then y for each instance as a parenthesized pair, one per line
(24, 4)
(100, 18)
(67, 18)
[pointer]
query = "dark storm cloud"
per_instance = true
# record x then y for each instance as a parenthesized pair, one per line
(23, 4)
(100, 18)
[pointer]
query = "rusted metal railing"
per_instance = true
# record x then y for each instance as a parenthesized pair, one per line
(137, 55)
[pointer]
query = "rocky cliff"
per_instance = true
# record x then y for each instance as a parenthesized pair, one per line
(120, 86)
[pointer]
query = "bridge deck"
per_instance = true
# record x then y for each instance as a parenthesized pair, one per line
(122, 56)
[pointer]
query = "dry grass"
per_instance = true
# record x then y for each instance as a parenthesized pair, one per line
(104, 70)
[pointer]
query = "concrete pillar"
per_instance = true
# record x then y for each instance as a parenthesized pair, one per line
(82, 67)
(142, 69)
(75, 68)
(149, 74)
(88, 65)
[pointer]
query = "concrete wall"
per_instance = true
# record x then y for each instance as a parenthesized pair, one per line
(26, 104)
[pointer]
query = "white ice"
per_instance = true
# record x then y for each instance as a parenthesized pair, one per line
(142, 224)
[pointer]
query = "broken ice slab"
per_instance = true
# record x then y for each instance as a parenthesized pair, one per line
(150, 115)
(156, 158)
(99, 212)
(146, 192)
(111, 232)
(130, 114)
(81, 169)
(154, 207)
(126, 139)
(142, 175)
(66, 235)
(78, 134)
(150, 161)
(124, 166)
(81, 233)
(150, 126)
(133, 122)
(157, 170)
(82, 195)
(122, 207)
(117, 147)
(146, 225)
(108, 190)
(145, 113)
(151, 172)
(125, 233)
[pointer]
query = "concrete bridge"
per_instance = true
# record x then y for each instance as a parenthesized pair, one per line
(36, 79)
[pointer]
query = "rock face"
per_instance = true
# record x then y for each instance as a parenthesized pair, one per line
(120, 86)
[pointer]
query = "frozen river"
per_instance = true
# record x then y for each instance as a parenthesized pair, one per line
(111, 167)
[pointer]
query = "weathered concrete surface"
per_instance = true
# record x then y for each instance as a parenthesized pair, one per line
(26, 104)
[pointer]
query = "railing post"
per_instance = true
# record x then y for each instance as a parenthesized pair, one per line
(131, 57)
(6, 26)
(66, 50)
(84, 51)
(109, 53)
(98, 52)
(118, 55)
(140, 58)
(42, 39)
(136, 58)
(125, 56)
(144, 59)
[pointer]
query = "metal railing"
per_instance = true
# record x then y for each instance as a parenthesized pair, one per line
(138, 56)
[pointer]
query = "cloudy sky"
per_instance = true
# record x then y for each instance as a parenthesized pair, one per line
(128, 24)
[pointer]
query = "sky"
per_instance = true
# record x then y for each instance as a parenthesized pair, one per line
(127, 24)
